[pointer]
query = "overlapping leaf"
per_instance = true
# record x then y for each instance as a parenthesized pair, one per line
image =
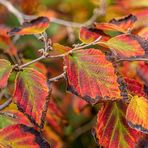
(105, 30)
(109, 28)
(112, 130)
(91, 76)
(36, 26)
(137, 114)
(31, 95)
(88, 35)
(127, 45)
(12, 117)
(21, 136)
(125, 23)
(134, 87)
(5, 70)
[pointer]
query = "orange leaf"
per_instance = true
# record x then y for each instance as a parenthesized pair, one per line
(31, 95)
(88, 35)
(127, 45)
(91, 76)
(36, 26)
(111, 130)
(125, 23)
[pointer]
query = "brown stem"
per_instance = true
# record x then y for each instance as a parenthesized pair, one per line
(31, 62)
(58, 77)
(133, 59)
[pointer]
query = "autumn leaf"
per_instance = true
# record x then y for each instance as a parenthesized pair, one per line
(137, 114)
(125, 23)
(112, 130)
(31, 95)
(127, 45)
(91, 76)
(36, 26)
(109, 29)
(134, 87)
(21, 136)
(12, 117)
(88, 35)
(113, 28)
(5, 70)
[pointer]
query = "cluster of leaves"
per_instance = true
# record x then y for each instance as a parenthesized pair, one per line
(97, 71)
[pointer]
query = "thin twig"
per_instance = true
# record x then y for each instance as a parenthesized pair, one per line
(8, 114)
(45, 55)
(97, 12)
(58, 77)
(31, 62)
(65, 23)
(5, 104)
(133, 59)
(76, 48)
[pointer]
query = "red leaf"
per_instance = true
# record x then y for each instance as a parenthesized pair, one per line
(5, 70)
(21, 136)
(137, 114)
(88, 35)
(91, 76)
(31, 95)
(134, 87)
(36, 26)
(112, 131)
(127, 45)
